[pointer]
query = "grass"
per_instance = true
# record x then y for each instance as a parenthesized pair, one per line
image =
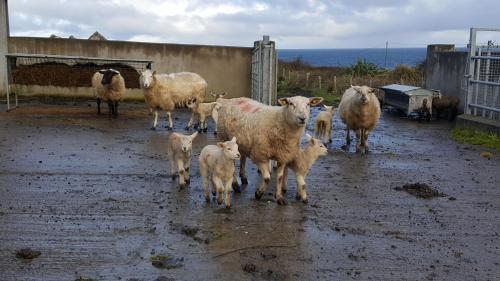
(471, 136)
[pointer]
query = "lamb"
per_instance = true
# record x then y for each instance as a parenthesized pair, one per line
(323, 124)
(179, 149)
(203, 111)
(359, 109)
(265, 133)
(301, 165)
(166, 91)
(218, 160)
(445, 103)
(108, 85)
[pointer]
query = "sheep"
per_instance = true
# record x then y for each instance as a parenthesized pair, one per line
(301, 165)
(217, 162)
(179, 149)
(424, 112)
(108, 85)
(265, 133)
(166, 91)
(323, 124)
(445, 103)
(359, 109)
(203, 111)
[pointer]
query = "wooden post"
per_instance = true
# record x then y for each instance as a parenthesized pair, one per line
(289, 75)
(319, 80)
(335, 84)
(307, 79)
(350, 81)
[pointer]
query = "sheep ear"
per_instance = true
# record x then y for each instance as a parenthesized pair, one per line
(315, 101)
(233, 139)
(102, 71)
(357, 88)
(223, 94)
(326, 107)
(308, 137)
(283, 101)
(154, 73)
(212, 94)
(220, 144)
(193, 135)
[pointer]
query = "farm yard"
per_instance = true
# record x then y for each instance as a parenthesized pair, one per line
(94, 197)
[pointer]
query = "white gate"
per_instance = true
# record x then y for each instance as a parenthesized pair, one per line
(483, 89)
(264, 71)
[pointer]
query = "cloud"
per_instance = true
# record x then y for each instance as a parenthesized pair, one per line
(292, 24)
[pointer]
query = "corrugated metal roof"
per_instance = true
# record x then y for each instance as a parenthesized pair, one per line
(400, 88)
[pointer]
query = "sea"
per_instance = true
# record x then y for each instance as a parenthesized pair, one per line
(348, 57)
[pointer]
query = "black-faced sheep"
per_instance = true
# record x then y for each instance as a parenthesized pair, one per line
(108, 86)
(445, 104)
(265, 133)
(166, 91)
(359, 109)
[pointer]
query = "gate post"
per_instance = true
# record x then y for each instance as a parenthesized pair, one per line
(4, 37)
(264, 71)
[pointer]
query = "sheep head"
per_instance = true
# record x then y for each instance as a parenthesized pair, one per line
(316, 145)
(107, 75)
(147, 78)
(297, 109)
(187, 142)
(364, 94)
(230, 149)
(192, 103)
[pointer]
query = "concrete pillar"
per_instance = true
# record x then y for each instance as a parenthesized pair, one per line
(4, 36)
(431, 58)
(264, 71)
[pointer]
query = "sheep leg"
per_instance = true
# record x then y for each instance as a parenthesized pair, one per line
(243, 176)
(365, 140)
(301, 188)
(266, 178)
(116, 108)
(285, 181)
(204, 177)
(329, 132)
(279, 180)
(186, 171)
(219, 187)
(190, 123)
(348, 136)
(171, 126)
(215, 116)
(202, 121)
(110, 108)
(172, 166)
(180, 165)
(358, 140)
(228, 190)
(98, 106)
(155, 120)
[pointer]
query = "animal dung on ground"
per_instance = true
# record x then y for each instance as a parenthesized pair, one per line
(420, 190)
(166, 262)
(27, 254)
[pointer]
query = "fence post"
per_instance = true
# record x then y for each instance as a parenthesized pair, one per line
(4, 37)
(335, 84)
(307, 79)
(319, 80)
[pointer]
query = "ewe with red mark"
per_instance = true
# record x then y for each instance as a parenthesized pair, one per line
(179, 150)
(359, 109)
(166, 91)
(217, 162)
(272, 133)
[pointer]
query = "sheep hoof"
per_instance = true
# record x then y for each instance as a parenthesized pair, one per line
(330, 141)
(174, 176)
(219, 201)
(244, 181)
(188, 181)
(281, 201)
(215, 132)
(344, 147)
(305, 201)
(284, 190)
(236, 187)
(200, 130)
(153, 128)
(207, 199)
(228, 206)
(168, 128)
(258, 195)
(297, 197)
(213, 194)
(182, 186)
(186, 128)
(205, 130)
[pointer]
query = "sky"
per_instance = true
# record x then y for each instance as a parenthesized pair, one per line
(292, 24)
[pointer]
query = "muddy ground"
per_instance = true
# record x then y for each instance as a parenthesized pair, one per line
(93, 195)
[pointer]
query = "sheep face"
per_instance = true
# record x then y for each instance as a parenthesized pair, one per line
(317, 145)
(147, 78)
(364, 94)
(298, 109)
(230, 149)
(191, 103)
(107, 75)
(187, 142)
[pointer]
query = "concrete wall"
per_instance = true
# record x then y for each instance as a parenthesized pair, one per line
(445, 70)
(4, 35)
(226, 69)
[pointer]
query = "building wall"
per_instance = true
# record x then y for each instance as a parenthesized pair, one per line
(226, 69)
(445, 70)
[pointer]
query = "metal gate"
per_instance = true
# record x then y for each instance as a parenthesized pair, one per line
(483, 89)
(264, 71)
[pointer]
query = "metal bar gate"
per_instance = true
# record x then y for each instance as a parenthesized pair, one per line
(264, 71)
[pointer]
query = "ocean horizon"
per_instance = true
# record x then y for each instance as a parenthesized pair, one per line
(348, 57)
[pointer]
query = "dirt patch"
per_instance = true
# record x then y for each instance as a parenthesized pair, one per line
(27, 254)
(64, 75)
(166, 261)
(420, 190)
(249, 267)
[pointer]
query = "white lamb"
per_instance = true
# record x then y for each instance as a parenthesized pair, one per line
(203, 110)
(166, 91)
(302, 164)
(323, 124)
(108, 85)
(217, 162)
(179, 148)
(266, 133)
(359, 109)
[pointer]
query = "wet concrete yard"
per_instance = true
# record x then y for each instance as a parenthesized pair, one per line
(93, 195)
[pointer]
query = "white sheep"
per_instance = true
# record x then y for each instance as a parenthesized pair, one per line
(323, 124)
(359, 109)
(166, 91)
(108, 85)
(302, 164)
(179, 149)
(265, 133)
(217, 162)
(203, 110)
